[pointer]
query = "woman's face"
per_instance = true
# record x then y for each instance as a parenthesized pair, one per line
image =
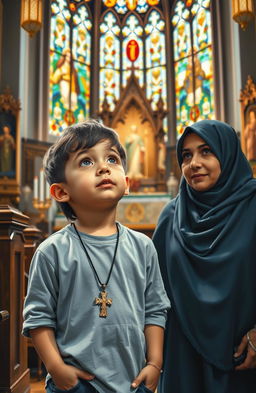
(200, 167)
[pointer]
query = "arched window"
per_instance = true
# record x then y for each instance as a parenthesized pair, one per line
(193, 62)
(130, 36)
(109, 60)
(155, 59)
(133, 48)
(70, 57)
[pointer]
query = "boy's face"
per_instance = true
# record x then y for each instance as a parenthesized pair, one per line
(95, 178)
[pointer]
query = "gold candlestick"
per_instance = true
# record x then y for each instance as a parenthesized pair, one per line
(42, 207)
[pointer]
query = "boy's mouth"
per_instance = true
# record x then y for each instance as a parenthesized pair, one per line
(105, 181)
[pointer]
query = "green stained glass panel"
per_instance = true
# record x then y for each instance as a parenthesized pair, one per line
(194, 91)
(193, 62)
(69, 66)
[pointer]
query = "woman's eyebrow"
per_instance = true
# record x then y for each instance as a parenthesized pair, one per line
(198, 147)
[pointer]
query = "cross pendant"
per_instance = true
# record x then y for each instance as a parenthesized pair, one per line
(103, 302)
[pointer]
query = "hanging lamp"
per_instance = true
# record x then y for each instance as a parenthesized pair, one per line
(31, 16)
(243, 12)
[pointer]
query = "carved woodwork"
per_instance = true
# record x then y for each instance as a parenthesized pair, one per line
(10, 149)
(14, 375)
(33, 237)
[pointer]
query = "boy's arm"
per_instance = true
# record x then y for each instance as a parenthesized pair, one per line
(151, 372)
(64, 376)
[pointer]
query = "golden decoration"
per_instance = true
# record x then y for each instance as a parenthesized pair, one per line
(134, 212)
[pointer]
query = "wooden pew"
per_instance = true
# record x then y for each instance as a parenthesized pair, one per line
(14, 373)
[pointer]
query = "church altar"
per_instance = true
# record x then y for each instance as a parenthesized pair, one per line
(138, 211)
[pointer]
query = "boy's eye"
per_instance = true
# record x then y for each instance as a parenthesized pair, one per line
(113, 160)
(86, 162)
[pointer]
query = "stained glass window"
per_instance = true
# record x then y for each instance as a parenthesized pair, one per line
(70, 53)
(193, 62)
(123, 6)
(131, 35)
(133, 49)
(155, 59)
(143, 46)
(109, 60)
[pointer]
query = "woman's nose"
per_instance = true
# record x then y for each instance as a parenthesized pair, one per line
(195, 162)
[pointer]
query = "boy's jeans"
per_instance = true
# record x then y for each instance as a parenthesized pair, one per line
(85, 387)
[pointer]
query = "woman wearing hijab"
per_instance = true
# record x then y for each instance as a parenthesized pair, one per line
(206, 242)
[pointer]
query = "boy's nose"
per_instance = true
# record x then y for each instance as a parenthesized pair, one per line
(104, 168)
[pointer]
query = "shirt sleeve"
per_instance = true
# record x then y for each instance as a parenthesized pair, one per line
(41, 299)
(156, 300)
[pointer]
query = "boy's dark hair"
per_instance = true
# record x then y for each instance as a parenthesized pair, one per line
(79, 136)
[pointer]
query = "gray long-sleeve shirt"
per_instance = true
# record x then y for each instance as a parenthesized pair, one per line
(61, 294)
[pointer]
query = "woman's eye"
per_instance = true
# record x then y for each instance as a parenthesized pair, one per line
(86, 162)
(186, 156)
(206, 150)
(112, 160)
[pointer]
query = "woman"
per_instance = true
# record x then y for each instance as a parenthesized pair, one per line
(206, 241)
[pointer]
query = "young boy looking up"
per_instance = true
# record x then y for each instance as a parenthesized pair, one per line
(96, 305)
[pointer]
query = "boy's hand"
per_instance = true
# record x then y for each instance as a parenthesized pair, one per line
(149, 376)
(66, 377)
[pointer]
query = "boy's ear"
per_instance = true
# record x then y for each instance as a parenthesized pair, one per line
(59, 193)
(127, 188)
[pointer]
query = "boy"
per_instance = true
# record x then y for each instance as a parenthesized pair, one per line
(96, 305)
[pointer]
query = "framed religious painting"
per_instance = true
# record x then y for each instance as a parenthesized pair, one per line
(248, 116)
(9, 149)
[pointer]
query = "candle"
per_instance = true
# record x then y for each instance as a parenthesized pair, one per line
(41, 186)
(35, 187)
(47, 187)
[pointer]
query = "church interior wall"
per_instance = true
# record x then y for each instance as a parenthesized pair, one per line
(10, 46)
(29, 85)
(16, 68)
(230, 49)
(247, 41)
(24, 68)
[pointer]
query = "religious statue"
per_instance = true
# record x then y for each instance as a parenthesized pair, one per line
(135, 149)
(7, 147)
(250, 136)
(161, 162)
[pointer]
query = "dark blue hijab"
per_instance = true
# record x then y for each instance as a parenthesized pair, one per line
(206, 243)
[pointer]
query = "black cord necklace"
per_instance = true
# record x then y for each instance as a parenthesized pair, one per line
(102, 301)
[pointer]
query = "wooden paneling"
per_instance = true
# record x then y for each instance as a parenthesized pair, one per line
(14, 374)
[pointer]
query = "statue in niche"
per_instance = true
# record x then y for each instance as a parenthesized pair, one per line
(135, 149)
(250, 136)
(161, 162)
(7, 147)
